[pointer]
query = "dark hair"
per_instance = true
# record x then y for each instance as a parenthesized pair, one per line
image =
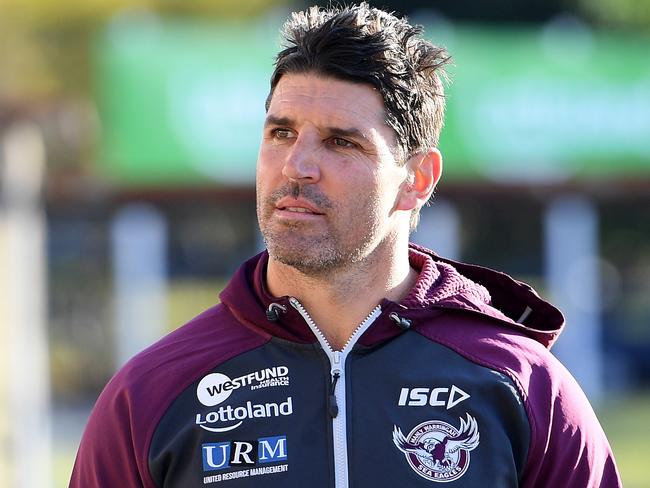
(367, 45)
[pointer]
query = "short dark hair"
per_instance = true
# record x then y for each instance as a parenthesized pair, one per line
(367, 45)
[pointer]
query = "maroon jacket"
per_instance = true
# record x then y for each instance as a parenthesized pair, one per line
(454, 384)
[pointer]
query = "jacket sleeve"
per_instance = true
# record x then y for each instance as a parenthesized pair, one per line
(568, 445)
(111, 453)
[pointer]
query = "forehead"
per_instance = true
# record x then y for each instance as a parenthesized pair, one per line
(326, 101)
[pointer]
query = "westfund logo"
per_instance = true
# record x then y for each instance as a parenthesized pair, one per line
(215, 388)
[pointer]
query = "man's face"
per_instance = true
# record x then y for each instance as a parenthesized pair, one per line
(327, 180)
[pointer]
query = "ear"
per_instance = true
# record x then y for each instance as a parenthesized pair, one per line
(424, 172)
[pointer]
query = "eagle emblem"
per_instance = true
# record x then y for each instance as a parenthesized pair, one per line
(437, 450)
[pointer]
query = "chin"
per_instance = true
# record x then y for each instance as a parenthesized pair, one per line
(313, 257)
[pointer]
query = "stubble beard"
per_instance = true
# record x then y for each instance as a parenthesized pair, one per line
(298, 246)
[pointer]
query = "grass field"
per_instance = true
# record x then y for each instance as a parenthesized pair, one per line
(627, 423)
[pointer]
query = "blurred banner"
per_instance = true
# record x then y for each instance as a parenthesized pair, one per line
(182, 102)
(548, 105)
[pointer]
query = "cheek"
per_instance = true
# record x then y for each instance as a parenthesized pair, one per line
(384, 196)
(265, 168)
(270, 161)
(264, 182)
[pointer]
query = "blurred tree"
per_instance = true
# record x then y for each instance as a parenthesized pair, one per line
(44, 44)
(46, 66)
(621, 13)
(47, 12)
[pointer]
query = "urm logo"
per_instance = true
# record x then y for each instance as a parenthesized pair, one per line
(222, 455)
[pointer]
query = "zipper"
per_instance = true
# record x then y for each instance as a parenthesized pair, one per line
(336, 399)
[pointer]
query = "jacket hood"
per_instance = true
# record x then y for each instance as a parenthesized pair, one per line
(451, 284)
(442, 286)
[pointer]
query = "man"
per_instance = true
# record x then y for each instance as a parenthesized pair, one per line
(344, 356)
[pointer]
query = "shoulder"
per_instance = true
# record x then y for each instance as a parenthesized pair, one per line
(166, 367)
(125, 416)
(505, 347)
(567, 444)
(496, 344)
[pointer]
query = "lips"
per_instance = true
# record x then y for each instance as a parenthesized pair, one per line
(297, 209)
(297, 206)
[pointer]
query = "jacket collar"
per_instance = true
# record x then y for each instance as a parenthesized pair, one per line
(443, 286)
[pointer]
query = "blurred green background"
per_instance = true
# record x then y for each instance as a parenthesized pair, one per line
(128, 141)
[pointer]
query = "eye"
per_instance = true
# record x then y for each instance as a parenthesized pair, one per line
(282, 133)
(340, 142)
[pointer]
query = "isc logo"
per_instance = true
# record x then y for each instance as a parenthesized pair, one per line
(436, 397)
(222, 455)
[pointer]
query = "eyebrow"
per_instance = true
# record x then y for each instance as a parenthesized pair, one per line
(273, 120)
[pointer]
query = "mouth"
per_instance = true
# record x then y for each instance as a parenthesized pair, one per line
(301, 210)
(296, 207)
(297, 214)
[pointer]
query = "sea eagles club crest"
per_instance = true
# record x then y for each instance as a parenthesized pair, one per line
(437, 450)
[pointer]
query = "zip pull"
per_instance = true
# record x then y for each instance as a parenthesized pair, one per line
(333, 407)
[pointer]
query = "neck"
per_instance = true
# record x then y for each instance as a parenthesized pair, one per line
(341, 299)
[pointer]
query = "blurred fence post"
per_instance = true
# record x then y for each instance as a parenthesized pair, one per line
(572, 273)
(439, 229)
(139, 260)
(25, 414)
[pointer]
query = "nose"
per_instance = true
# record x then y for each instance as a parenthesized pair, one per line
(301, 162)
